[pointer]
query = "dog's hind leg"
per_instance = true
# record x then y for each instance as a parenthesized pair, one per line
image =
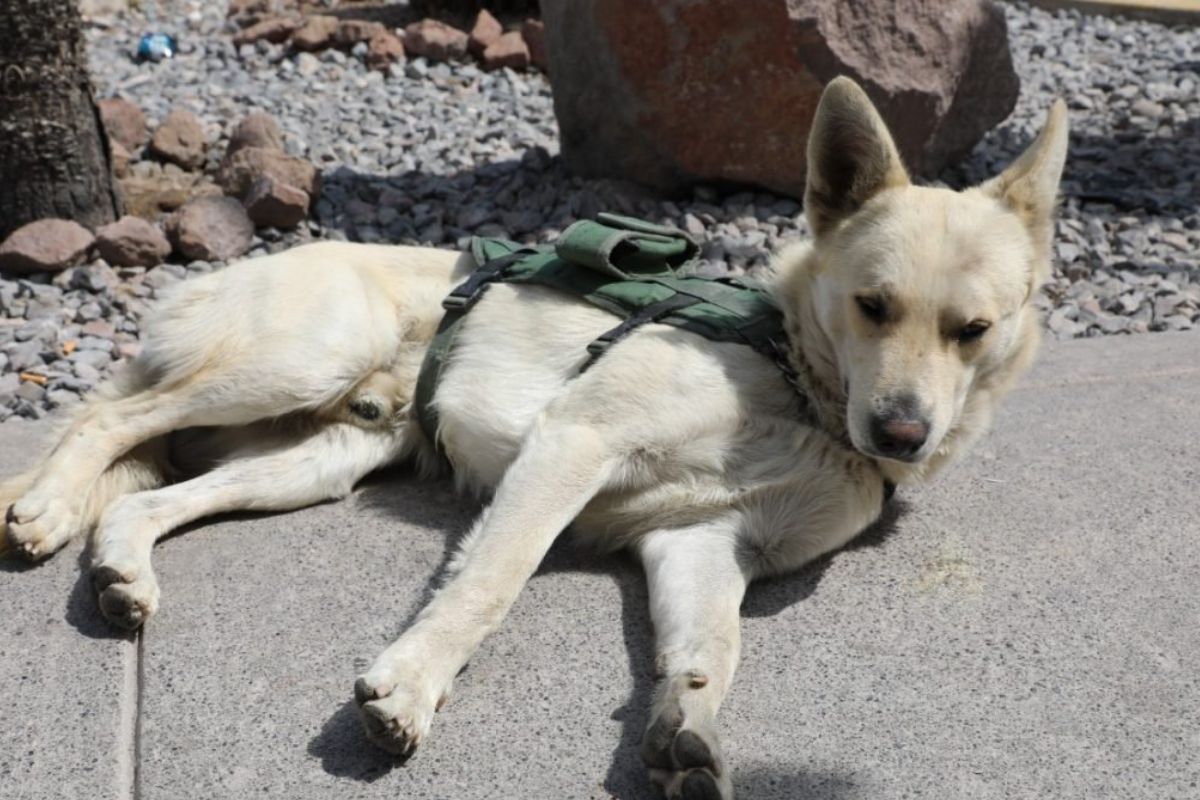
(696, 587)
(559, 469)
(313, 467)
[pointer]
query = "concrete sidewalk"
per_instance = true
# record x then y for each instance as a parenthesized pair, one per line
(1027, 627)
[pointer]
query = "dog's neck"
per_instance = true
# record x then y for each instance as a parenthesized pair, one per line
(810, 352)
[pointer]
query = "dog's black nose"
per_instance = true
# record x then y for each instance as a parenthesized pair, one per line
(900, 433)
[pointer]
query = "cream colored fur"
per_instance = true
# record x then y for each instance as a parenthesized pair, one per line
(692, 453)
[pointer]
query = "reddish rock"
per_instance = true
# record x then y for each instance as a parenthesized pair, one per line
(119, 158)
(352, 31)
(180, 140)
(486, 30)
(148, 195)
(273, 29)
(240, 170)
(534, 33)
(383, 50)
(435, 40)
(211, 229)
(132, 242)
(507, 51)
(47, 245)
(679, 103)
(279, 205)
(257, 129)
(316, 33)
(124, 122)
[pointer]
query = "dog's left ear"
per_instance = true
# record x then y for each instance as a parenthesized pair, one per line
(1030, 185)
(851, 156)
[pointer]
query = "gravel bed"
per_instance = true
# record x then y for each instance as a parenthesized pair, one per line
(433, 153)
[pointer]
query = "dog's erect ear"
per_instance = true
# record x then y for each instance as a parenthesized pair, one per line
(851, 156)
(1030, 185)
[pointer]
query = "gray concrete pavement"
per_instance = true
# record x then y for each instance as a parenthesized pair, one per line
(1026, 627)
(69, 699)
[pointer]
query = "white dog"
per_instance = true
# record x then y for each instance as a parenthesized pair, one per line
(908, 317)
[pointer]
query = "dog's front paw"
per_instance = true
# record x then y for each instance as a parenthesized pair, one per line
(38, 528)
(684, 759)
(127, 592)
(397, 714)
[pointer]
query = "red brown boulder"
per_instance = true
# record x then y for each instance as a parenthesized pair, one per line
(241, 169)
(383, 50)
(277, 204)
(316, 33)
(211, 229)
(180, 140)
(47, 245)
(675, 92)
(124, 122)
(435, 40)
(257, 129)
(507, 51)
(132, 242)
(486, 30)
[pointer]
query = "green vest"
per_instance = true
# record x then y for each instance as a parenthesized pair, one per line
(625, 266)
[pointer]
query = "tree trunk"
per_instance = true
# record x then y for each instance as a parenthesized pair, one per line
(54, 156)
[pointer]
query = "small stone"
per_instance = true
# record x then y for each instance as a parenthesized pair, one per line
(277, 204)
(132, 242)
(47, 245)
(316, 34)
(486, 30)
(383, 50)
(124, 122)
(307, 64)
(212, 229)
(180, 140)
(534, 33)
(257, 129)
(275, 30)
(507, 51)
(240, 171)
(435, 40)
(98, 329)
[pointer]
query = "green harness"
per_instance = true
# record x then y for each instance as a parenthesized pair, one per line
(628, 267)
(625, 266)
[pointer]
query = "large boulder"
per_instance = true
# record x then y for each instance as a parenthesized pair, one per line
(676, 92)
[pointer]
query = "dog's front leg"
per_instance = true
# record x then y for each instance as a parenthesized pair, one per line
(696, 588)
(560, 468)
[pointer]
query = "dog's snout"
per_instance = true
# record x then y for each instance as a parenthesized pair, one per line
(901, 430)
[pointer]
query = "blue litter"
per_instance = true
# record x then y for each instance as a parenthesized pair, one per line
(156, 47)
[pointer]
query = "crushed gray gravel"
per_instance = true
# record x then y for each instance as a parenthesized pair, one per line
(433, 153)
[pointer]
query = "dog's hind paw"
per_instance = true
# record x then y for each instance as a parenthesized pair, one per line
(38, 530)
(128, 596)
(395, 719)
(683, 761)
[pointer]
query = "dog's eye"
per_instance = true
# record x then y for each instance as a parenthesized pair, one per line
(973, 331)
(872, 308)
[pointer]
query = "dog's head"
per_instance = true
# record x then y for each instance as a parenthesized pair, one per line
(922, 294)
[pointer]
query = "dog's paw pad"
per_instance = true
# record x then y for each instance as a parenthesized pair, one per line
(127, 596)
(395, 724)
(684, 761)
(37, 530)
